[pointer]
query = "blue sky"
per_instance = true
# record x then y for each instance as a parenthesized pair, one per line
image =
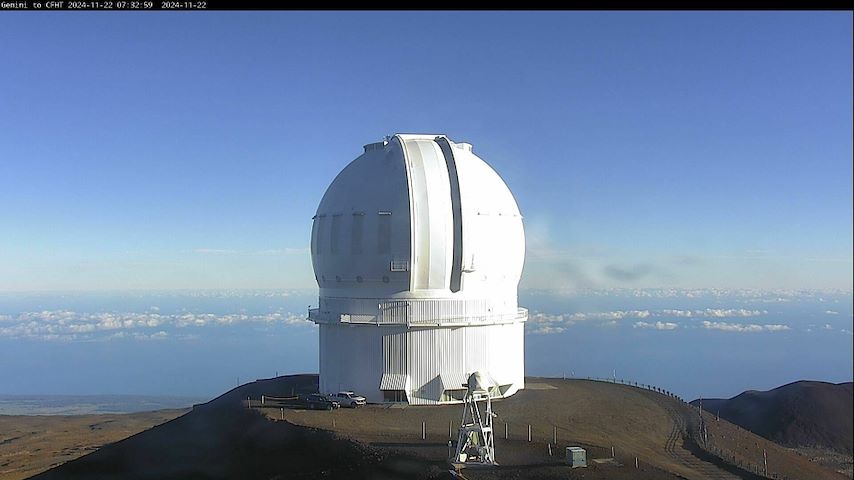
(651, 149)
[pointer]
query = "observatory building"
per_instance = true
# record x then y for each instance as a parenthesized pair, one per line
(417, 247)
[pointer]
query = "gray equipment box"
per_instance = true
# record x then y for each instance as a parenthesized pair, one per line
(576, 457)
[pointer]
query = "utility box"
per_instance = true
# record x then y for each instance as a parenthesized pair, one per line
(576, 457)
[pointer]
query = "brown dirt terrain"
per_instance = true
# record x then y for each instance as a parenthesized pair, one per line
(33, 444)
(816, 418)
(225, 439)
(638, 423)
(800, 414)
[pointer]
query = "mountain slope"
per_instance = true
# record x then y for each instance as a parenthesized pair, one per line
(222, 439)
(800, 414)
(650, 434)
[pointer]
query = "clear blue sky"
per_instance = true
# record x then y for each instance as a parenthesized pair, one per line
(189, 150)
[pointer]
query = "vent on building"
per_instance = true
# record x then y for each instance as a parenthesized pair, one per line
(399, 266)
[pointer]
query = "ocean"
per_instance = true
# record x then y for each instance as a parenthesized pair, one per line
(197, 344)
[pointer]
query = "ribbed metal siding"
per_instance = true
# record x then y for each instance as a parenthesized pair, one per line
(351, 359)
(395, 346)
(356, 357)
(496, 349)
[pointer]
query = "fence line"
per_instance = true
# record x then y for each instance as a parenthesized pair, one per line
(695, 431)
(698, 435)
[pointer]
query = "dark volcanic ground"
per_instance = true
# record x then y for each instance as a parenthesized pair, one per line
(225, 439)
(800, 414)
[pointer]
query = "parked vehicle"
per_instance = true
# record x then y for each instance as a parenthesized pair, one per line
(348, 399)
(316, 401)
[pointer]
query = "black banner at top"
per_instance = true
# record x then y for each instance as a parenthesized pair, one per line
(202, 5)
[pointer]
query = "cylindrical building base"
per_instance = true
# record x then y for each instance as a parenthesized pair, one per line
(421, 366)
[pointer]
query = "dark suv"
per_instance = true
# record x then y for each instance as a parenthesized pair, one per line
(316, 401)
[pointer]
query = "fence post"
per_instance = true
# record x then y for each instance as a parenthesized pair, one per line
(765, 460)
(423, 430)
(283, 413)
(529, 432)
(554, 435)
(505, 430)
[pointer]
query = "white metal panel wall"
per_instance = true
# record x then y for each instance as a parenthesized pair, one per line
(355, 357)
(432, 229)
(489, 213)
(496, 349)
(395, 346)
(405, 186)
(382, 248)
(375, 189)
(351, 359)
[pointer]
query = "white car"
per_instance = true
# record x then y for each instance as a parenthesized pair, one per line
(348, 399)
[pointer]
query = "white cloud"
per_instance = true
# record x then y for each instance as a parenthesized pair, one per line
(740, 327)
(549, 323)
(657, 325)
(831, 312)
(69, 325)
(776, 327)
(544, 323)
(713, 313)
(545, 329)
(614, 315)
(731, 312)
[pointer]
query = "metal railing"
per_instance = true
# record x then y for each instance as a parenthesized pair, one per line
(414, 312)
(697, 432)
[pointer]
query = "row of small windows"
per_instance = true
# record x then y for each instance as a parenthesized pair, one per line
(321, 239)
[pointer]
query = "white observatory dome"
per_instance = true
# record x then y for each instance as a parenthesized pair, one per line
(418, 247)
(417, 215)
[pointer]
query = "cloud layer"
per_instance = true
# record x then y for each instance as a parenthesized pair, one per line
(152, 325)
(544, 323)
(657, 325)
(738, 327)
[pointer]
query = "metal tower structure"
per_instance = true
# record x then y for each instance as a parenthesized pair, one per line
(475, 443)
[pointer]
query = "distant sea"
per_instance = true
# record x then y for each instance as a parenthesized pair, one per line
(199, 344)
(89, 404)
